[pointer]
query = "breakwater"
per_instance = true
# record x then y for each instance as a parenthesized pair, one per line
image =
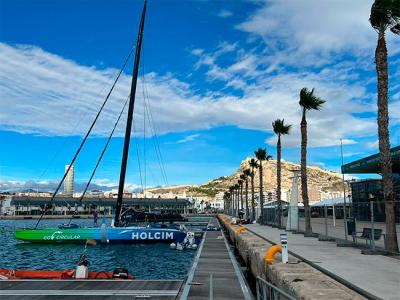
(296, 278)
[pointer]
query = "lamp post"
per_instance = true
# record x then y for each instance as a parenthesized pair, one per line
(344, 193)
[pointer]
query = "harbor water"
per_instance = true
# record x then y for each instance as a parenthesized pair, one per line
(144, 261)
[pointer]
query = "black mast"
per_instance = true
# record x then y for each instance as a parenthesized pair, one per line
(129, 119)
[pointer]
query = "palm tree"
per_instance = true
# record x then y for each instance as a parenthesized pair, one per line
(247, 174)
(240, 183)
(261, 155)
(385, 14)
(232, 200)
(236, 187)
(280, 128)
(226, 200)
(253, 165)
(242, 178)
(308, 101)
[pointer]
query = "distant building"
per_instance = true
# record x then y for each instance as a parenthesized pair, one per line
(370, 190)
(22, 205)
(69, 181)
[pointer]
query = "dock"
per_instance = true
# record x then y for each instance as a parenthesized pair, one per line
(89, 289)
(215, 273)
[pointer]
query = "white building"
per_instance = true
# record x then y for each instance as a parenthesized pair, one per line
(69, 181)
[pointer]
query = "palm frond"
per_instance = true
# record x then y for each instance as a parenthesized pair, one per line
(280, 127)
(309, 101)
(381, 14)
(253, 163)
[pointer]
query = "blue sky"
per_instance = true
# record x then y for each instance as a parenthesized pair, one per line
(216, 73)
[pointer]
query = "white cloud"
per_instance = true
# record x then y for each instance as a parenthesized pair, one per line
(311, 25)
(312, 32)
(188, 138)
(372, 145)
(42, 93)
(225, 13)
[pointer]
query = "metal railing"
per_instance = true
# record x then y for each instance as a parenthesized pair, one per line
(331, 222)
(267, 291)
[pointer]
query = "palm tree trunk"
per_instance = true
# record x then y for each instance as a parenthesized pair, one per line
(384, 143)
(304, 190)
(253, 207)
(233, 202)
(278, 179)
(261, 190)
(247, 199)
(237, 200)
(241, 196)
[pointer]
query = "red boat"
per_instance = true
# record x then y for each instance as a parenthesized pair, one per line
(10, 274)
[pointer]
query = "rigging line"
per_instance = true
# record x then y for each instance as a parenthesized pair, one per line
(146, 115)
(62, 145)
(157, 143)
(101, 156)
(154, 141)
(137, 154)
(86, 136)
(144, 146)
(152, 123)
(149, 170)
(157, 148)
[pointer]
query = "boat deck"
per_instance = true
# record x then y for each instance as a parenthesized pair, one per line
(89, 289)
(215, 274)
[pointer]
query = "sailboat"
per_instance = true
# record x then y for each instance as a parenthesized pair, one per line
(116, 233)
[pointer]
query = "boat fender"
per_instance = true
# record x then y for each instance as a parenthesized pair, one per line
(172, 246)
(179, 246)
(194, 246)
(120, 273)
(82, 272)
(103, 234)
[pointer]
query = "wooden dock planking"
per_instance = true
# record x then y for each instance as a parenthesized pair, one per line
(89, 289)
(216, 259)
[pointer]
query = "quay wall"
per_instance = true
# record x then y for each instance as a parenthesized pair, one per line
(296, 278)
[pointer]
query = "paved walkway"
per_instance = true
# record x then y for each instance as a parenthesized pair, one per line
(337, 231)
(378, 275)
(215, 259)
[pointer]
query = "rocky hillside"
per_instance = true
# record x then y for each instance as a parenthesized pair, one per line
(321, 183)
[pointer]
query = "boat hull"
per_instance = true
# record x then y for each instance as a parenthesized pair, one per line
(101, 235)
(12, 274)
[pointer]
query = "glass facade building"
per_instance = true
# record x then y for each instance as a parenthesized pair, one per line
(365, 191)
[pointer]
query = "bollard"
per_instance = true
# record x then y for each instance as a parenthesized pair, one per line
(371, 205)
(284, 250)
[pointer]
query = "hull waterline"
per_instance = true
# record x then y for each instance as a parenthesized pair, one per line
(101, 235)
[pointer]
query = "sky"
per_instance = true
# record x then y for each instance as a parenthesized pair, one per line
(214, 75)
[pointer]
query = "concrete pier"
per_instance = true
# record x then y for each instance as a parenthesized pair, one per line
(377, 276)
(215, 273)
(297, 278)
